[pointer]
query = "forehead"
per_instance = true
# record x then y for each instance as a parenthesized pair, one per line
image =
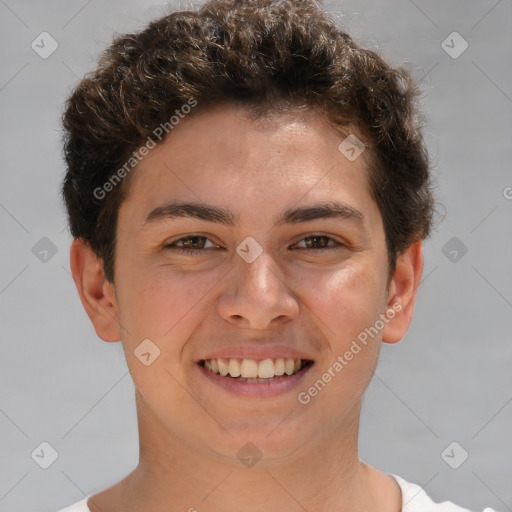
(221, 156)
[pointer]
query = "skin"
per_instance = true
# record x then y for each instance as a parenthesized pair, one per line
(316, 302)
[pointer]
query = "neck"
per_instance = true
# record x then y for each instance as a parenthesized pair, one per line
(324, 475)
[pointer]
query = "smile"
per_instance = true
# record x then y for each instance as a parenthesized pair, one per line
(267, 377)
(250, 370)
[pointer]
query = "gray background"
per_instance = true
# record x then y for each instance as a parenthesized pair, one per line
(448, 380)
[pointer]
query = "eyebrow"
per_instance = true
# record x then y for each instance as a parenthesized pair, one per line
(219, 215)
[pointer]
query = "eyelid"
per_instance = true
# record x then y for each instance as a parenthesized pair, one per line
(337, 243)
(171, 245)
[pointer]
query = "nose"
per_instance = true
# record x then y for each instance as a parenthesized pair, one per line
(257, 295)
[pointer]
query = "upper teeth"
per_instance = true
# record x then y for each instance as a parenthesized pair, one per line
(250, 369)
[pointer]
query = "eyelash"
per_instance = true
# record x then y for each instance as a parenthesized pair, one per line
(195, 252)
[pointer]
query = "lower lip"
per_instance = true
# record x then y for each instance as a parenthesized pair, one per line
(256, 389)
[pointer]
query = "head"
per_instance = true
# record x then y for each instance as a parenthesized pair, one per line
(246, 106)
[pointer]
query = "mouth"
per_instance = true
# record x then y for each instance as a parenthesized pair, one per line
(252, 371)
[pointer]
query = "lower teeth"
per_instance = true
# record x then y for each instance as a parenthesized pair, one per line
(257, 379)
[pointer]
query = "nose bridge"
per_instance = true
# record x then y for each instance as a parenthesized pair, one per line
(257, 292)
(259, 276)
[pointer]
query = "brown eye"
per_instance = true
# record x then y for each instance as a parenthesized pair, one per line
(320, 243)
(191, 244)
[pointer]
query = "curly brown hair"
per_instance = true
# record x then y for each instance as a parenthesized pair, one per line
(272, 56)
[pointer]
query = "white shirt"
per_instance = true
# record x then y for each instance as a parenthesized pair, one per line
(414, 499)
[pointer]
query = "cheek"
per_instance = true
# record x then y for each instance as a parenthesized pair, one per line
(346, 301)
(165, 306)
(170, 297)
(344, 304)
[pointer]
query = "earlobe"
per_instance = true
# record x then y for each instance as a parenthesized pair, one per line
(402, 293)
(96, 293)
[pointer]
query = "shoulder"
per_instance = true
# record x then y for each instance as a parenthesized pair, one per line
(415, 499)
(80, 506)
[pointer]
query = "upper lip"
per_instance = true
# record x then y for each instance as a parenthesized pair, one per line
(256, 353)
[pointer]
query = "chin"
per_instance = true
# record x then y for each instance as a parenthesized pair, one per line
(259, 439)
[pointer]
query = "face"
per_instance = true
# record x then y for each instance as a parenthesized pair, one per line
(282, 256)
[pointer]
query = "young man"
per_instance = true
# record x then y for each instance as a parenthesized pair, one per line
(248, 191)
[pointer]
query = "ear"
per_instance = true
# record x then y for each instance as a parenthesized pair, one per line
(96, 293)
(402, 293)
